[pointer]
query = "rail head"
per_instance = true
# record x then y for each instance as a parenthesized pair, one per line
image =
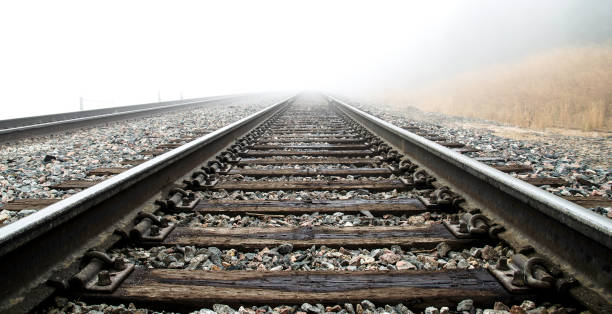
(572, 236)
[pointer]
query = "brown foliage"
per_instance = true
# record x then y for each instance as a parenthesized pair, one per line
(566, 88)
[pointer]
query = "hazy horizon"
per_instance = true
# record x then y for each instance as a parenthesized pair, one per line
(122, 53)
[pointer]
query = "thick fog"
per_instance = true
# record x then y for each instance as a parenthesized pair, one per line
(125, 52)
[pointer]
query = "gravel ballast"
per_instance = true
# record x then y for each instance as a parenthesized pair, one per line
(583, 159)
(28, 167)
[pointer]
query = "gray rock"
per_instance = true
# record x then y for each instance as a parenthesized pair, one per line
(189, 253)
(442, 249)
(500, 306)
(308, 308)
(367, 305)
(389, 309)
(376, 253)
(359, 309)
(402, 309)
(223, 309)
(349, 308)
(476, 252)
(176, 265)
(463, 264)
(465, 305)
(196, 261)
(528, 305)
(489, 253)
(214, 251)
(431, 310)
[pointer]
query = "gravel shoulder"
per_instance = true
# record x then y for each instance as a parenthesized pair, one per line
(581, 158)
(30, 166)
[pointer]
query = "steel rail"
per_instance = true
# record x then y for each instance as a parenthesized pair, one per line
(572, 236)
(14, 129)
(32, 248)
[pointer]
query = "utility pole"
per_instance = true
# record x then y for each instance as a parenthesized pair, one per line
(181, 95)
(81, 103)
(158, 96)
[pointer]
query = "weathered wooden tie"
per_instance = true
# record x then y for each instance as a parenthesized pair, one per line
(318, 146)
(74, 184)
(490, 159)
(106, 171)
(135, 162)
(168, 146)
(342, 153)
(421, 237)
(184, 289)
(397, 206)
(433, 138)
(451, 144)
(545, 181)
(30, 203)
(309, 130)
(304, 161)
(330, 140)
(374, 172)
(590, 201)
(463, 150)
(311, 134)
(320, 185)
(514, 168)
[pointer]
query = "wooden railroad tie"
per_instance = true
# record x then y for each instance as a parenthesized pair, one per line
(303, 161)
(338, 153)
(74, 184)
(545, 181)
(195, 288)
(374, 172)
(318, 146)
(420, 237)
(328, 185)
(331, 140)
(353, 206)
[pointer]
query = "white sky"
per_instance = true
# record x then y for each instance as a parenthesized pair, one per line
(124, 52)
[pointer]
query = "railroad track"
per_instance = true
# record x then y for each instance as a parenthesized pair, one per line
(308, 201)
(15, 129)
